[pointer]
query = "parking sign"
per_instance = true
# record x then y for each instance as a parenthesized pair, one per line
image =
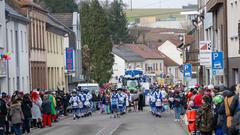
(217, 63)
(187, 70)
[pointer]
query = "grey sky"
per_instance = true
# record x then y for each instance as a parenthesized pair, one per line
(159, 3)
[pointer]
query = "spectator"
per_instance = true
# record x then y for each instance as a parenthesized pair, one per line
(47, 111)
(36, 109)
(26, 108)
(16, 116)
(205, 117)
(3, 113)
(177, 106)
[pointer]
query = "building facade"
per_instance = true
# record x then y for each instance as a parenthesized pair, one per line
(233, 17)
(3, 65)
(56, 32)
(218, 8)
(17, 44)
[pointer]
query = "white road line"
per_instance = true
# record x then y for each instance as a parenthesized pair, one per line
(115, 129)
(98, 133)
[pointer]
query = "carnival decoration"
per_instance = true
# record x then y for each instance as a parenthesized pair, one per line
(5, 56)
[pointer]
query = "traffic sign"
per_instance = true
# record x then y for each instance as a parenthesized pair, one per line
(217, 63)
(187, 70)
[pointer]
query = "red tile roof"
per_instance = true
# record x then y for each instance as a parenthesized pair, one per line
(144, 51)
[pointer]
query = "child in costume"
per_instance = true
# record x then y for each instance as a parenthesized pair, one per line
(158, 103)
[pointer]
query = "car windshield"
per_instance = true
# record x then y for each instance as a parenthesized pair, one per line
(90, 88)
(132, 83)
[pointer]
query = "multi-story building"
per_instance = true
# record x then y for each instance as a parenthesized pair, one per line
(56, 32)
(37, 41)
(233, 17)
(3, 67)
(218, 8)
(17, 44)
(72, 21)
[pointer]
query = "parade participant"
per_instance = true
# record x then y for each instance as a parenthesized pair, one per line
(152, 101)
(141, 100)
(159, 99)
(36, 109)
(83, 98)
(121, 101)
(75, 103)
(114, 103)
(103, 102)
(108, 102)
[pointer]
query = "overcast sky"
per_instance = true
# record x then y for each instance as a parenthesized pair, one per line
(158, 3)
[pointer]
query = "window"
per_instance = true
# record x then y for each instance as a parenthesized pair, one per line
(17, 48)
(12, 40)
(160, 66)
(154, 67)
(176, 72)
(1, 39)
(235, 76)
(18, 83)
(146, 67)
(14, 88)
(26, 42)
(22, 40)
(23, 86)
(239, 37)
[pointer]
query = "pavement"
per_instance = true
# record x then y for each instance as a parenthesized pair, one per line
(134, 123)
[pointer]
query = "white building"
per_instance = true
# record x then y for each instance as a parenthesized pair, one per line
(3, 67)
(17, 44)
(174, 54)
(124, 58)
(233, 17)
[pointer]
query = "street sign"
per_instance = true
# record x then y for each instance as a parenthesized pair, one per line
(187, 71)
(70, 67)
(205, 49)
(217, 63)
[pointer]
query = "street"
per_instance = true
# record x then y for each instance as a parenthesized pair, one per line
(135, 123)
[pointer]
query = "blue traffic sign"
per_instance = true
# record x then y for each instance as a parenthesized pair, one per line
(217, 60)
(187, 70)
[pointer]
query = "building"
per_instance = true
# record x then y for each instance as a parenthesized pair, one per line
(233, 17)
(124, 58)
(56, 32)
(153, 64)
(72, 21)
(218, 8)
(17, 44)
(37, 41)
(3, 66)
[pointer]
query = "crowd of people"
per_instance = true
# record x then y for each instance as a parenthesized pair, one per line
(21, 112)
(206, 110)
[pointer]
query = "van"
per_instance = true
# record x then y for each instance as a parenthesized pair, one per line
(90, 86)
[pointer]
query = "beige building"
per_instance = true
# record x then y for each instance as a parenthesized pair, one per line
(55, 34)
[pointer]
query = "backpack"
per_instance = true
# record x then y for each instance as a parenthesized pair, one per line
(227, 103)
(205, 120)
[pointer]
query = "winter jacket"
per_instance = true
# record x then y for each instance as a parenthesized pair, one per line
(26, 108)
(16, 114)
(177, 101)
(3, 112)
(205, 118)
(46, 107)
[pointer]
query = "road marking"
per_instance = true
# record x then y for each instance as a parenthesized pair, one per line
(115, 129)
(98, 133)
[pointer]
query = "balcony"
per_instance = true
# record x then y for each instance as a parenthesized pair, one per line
(212, 5)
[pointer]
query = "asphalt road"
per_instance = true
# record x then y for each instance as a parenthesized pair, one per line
(135, 123)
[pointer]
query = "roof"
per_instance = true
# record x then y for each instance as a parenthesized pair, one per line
(144, 51)
(127, 54)
(34, 5)
(55, 23)
(13, 13)
(168, 61)
(65, 18)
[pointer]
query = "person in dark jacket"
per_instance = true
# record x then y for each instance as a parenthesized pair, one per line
(3, 113)
(26, 108)
(47, 111)
(141, 101)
